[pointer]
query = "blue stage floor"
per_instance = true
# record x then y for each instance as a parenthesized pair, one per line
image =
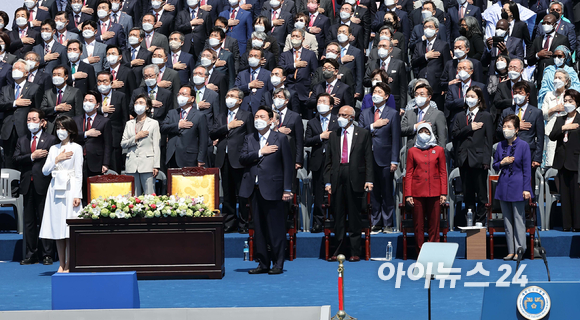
(306, 282)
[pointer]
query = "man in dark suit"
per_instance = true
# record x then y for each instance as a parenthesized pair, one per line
(76, 16)
(267, 182)
(290, 124)
(281, 21)
(542, 49)
(318, 131)
(278, 78)
(95, 137)
(108, 32)
(299, 63)
(43, 79)
(282, 5)
(225, 63)
(216, 79)
(344, 74)
(187, 132)
(416, 15)
(562, 27)
(342, 93)
(161, 98)
(352, 58)
(196, 22)
(135, 56)
(504, 96)
(510, 46)
(30, 156)
(424, 113)
(394, 68)
(239, 24)
(23, 37)
(430, 57)
(348, 172)
(379, 19)
(418, 35)
(133, 8)
(15, 101)
(164, 19)
(458, 12)
(319, 24)
(153, 37)
(51, 52)
(114, 107)
(455, 96)
(357, 32)
(60, 99)
(384, 124)
(123, 79)
(258, 42)
(207, 103)
(228, 42)
(168, 78)
(82, 75)
(531, 124)
(179, 60)
(253, 82)
(37, 15)
(460, 51)
(229, 129)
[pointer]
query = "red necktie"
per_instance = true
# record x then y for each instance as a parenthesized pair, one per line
(88, 124)
(329, 88)
(33, 146)
(344, 157)
(333, 8)
(30, 18)
(114, 74)
(547, 43)
(60, 38)
(377, 114)
(273, 18)
(233, 16)
(312, 18)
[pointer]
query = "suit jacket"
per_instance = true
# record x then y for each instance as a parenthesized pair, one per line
(564, 28)
(243, 31)
(231, 46)
(9, 58)
(360, 167)
(426, 173)
(72, 25)
(472, 148)
(357, 68)
(17, 47)
(534, 136)
(269, 65)
(186, 58)
(398, 73)
(219, 79)
(293, 121)
(43, 79)
(455, 100)
(229, 69)
(232, 139)
(312, 140)
(69, 35)
(119, 39)
(514, 47)
(542, 63)
(274, 171)
(379, 17)
(119, 118)
(47, 66)
(88, 83)
(6, 74)
(452, 21)
(418, 33)
(399, 51)
(386, 139)
(503, 98)
(287, 6)
(99, 51)
(158, 39)
(163, 95)
(566, 156)
(323, 22)
(125, 20)
(213, 111)
(340, 90)
(357, 33)
(280, 32)
(15, 117)
(173, 77)
(433, 68)
(98, 149)
(298, 79)
(434, 116)
(143, 155)
(309, 41)
(253, 97)
(71, 96)
(125, 75)
(346, 76)
(167, 19)
(41, 15)
(198, 34)
(141, 54)
(189, 146)
(293, 104)
(364, 14)
(29, 168)
(450, 72)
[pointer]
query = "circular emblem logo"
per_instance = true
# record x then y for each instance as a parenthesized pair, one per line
(534, 303)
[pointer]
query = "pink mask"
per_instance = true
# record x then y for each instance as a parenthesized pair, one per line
(312, 6)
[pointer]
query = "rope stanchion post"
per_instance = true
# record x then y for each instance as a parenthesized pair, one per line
(341, 314)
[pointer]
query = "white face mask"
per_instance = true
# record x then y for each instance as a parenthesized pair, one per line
(253, 62)
(344, 15)
(17, 74)
(181, 100)
(205, 62)
(547, 28)
(214, 42)
(322, 108)
(383, 53)
(139, 109)
(102, 14)
(156, 4)
(383, 37)
(46, 36)
(33, 127)
(513, 75)
(31, 65)
(509, 133)
(459, 53)
(558, 61)
(104, 89)
(377, 99)
(342, 122)
(429, 33)
(279, 103)
(150, 82)
(112, 59)
(426, 14)
(296, 43)
(87, 34)
(259, 28)
(463, 75)
(500, 65)
(174, 45)
(57, 81)
(21, 21)
(29, 4)
(133, 40)
(157, 60)
(558, 83)
(519, 99)
(471, 102)
(115, 6)
(389, 3)
(423, 137)
(299, 25)
(77, 7)
(231, 102)
(331, 55)
(351, 2)
(260, 124)
(420, 101)
(500, 33)
(233, 3)
(147, 27)
(342, 38)
(274, 3)
(374, 83)
(275, 80)
(62, 134)
(192, 3)
(198, 80)
(88, 106)
(59, 25)
(568, 107)
(257, 44)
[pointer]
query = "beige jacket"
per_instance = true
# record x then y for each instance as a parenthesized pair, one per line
(143, 155)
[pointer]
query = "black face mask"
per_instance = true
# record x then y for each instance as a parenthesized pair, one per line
(390, 24)
(555, 14)
(464, 32)
(504, 15)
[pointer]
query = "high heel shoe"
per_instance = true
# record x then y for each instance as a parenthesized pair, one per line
(509, 257)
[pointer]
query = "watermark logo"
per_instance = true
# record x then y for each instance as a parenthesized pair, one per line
(534, 303)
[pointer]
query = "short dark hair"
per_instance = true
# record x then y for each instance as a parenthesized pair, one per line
(324, 94)
(223, 20)
(4, 36)
(95, 94)
(477, 90)
(112, 46)
(41, 114)
(268, 110)
(333, 62)
(65, 70)
(265, 20)
(69, 125)
(191, 89)
(148, 104)
(574, 95)
(50, 22)
(149, 14)
(254, 49)
(514, 119)
(21, 9)
(5, 18)
(382, 73)
(345, 25)
(281, 68)
(426, 86)
(105, 1)
(71, 41)
(522, 85)
(219, 31)
(385, 87)
(61, 13)
(90, 23)
(107, 73)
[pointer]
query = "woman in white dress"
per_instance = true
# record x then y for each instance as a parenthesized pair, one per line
(141, 139)
(63, 199)
(552, 108)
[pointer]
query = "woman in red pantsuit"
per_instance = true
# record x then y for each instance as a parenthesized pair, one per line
(426, 183)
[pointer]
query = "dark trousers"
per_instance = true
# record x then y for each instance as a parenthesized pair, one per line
(86, 174)
(426, 207)
(231, 181)
(117, 160)
(9, 147)
(318, 190)
(346, 204)
(474, 183)
(382, 196)
(269, 229)
(570, 198)
(172, 163)
(33, 211)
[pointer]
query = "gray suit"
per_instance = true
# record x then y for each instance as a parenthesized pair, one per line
(99, 51)
(189, 146)
(68, 36)
(173, 77)
(158, 40)
(47, 66)
(70, 95)
(434, 116)
(124, 20)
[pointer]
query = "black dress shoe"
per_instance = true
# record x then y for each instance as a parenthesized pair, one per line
(354, 259)
(28, 261)
(47, 261)
(376, 229)
(566, 229)
(244, 231)
(230, 229)
(275, 271)
(317, 228)
(258, 270)
(332, 259)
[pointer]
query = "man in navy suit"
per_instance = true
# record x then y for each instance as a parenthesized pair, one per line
(76, 17)
(278, 78)
(51, 52)
(239, 24)
(267, 182)
(504, 96)
(179, 60)
(281, 21)
(253, 81)
(384, 124)
(108, 32)
(510, 46)
(356, 31)
(82, 75)
(135, 56)
(319, 24)
(225, 60)
(187, 132)
(208, 103)
(458, 12)
(228, 42)
(161, 98)
(196, 22)
(284, 5)
(430, 57)
(391, 5)
(23, 37)
(299, 64)
(562, 27)
(38, 15)
(418, 35)
(318, 131)
(164, 19)
(418, 15)
(230, 129)
(341, 93)
(290, 124)
(455, 96)
(123, 79)
(352, 58)
(460, 51)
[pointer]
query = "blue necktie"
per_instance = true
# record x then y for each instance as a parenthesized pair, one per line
(253, 75)
(17, 94)
(133, 53)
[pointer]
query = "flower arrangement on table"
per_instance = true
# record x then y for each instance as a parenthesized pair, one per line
(147, 206)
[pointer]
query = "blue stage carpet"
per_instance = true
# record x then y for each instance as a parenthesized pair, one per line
(306, 282)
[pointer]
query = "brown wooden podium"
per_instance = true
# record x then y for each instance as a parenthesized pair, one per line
(475, 243)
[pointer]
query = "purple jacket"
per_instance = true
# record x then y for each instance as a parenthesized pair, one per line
(514, 178)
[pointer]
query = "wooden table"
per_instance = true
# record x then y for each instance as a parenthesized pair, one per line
(475, 243)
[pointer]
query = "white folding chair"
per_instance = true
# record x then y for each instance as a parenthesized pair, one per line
(7, 176)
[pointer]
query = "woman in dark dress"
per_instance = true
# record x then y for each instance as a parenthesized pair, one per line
(471, 30)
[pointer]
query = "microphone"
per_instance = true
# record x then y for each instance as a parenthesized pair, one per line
(543, 253)
(520, 253)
